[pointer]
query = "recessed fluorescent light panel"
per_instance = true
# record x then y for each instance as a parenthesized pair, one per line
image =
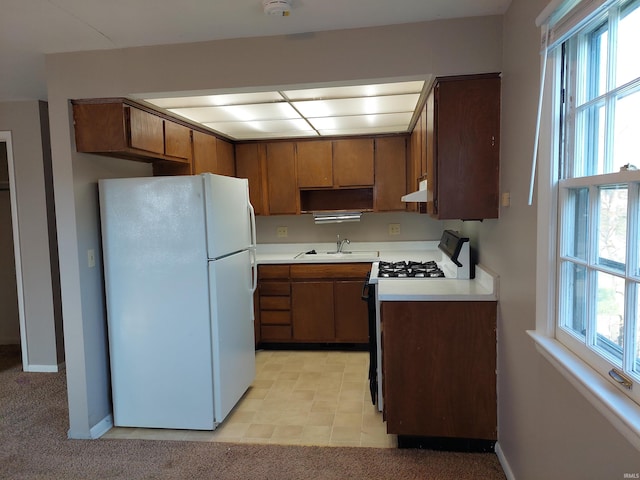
(315, 112)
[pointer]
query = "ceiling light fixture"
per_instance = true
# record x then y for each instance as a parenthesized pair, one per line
(277, 7)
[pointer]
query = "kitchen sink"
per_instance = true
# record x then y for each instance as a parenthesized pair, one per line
(355, 255)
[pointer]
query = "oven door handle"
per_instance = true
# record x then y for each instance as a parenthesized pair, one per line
(365, 287)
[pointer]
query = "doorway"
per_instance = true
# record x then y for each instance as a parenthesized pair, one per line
(12, 326)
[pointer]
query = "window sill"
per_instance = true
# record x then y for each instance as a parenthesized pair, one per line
(622, 412)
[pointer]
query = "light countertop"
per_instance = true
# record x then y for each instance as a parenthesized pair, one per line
(484, 287)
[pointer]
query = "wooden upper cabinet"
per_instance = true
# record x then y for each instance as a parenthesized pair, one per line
(353, 163)
(213, 155)
(120, 128)
(204, 153)
(226, 164)
(145, 131)
(282, 191)
(249, 159)
(315, 164)
(390, 173)
(463, 177)
(177, 140)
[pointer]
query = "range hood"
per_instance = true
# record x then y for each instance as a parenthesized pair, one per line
(419, 195)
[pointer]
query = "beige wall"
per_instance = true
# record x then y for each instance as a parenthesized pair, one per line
(547, 430)
(27, 122)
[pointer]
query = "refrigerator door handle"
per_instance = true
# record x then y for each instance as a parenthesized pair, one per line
(252, 249)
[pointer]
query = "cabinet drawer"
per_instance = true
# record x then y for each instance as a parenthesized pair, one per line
(273, 271)
(330, 270)
(275, 332)
(275, 303)
(275, 317)
(275, 288)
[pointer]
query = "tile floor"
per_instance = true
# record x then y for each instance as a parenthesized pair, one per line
(298, 398)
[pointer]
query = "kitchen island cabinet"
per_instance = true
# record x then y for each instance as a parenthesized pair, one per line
(439, 369)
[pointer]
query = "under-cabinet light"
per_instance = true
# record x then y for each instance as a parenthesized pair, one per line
(336, 217)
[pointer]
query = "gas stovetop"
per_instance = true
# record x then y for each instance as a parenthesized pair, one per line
(409, 269)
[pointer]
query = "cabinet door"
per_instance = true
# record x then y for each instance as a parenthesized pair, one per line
(467, 132)
(390, 170)
(353, 162)
(312, 311)
(177, 140)
(145, 131)
(249, 166)
(351, 314)
(226, 161)
(315, 167)
(204, 153)
(281, 178)
(439, 367)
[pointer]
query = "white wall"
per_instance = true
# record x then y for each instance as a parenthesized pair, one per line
(546, 429)
(27, 121)
(393, 52)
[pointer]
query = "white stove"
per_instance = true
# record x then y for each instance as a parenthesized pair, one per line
(451, 260)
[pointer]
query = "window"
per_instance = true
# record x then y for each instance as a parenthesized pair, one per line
(598, 252)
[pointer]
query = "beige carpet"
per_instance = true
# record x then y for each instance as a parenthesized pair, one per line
(33, 445)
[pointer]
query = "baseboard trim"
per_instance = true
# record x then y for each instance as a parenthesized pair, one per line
(102, 427)
(505, 464)
(41, 368)
(95, 432)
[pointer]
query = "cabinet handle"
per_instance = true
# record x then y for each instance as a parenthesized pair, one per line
(621, 378)
(493, 140)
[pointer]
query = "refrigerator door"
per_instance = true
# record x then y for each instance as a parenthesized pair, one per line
(158, 310)
(227, 214)
(232, 333)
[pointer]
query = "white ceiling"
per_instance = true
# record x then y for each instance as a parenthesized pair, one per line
(31, 28)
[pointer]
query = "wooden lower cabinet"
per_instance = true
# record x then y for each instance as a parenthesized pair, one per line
(313, 303)
(439, 369)
(312, 311)
(350, 312)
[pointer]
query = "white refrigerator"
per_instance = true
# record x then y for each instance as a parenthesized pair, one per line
(178, 258)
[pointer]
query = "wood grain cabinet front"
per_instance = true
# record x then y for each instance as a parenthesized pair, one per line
(313, 303)
(439, 369)
(274, 290)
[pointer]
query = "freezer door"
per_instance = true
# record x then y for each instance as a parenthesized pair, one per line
(227, 214)
(234, 361)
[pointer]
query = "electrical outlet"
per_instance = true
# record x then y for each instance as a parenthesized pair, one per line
(394, 229)
(91, 258)
(282, 232)
(506, 199)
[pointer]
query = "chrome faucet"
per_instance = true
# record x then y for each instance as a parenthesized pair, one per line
(340, 243)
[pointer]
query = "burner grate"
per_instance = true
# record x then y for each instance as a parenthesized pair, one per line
(409, 269)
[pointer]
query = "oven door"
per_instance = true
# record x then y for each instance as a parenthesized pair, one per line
(369, 296)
